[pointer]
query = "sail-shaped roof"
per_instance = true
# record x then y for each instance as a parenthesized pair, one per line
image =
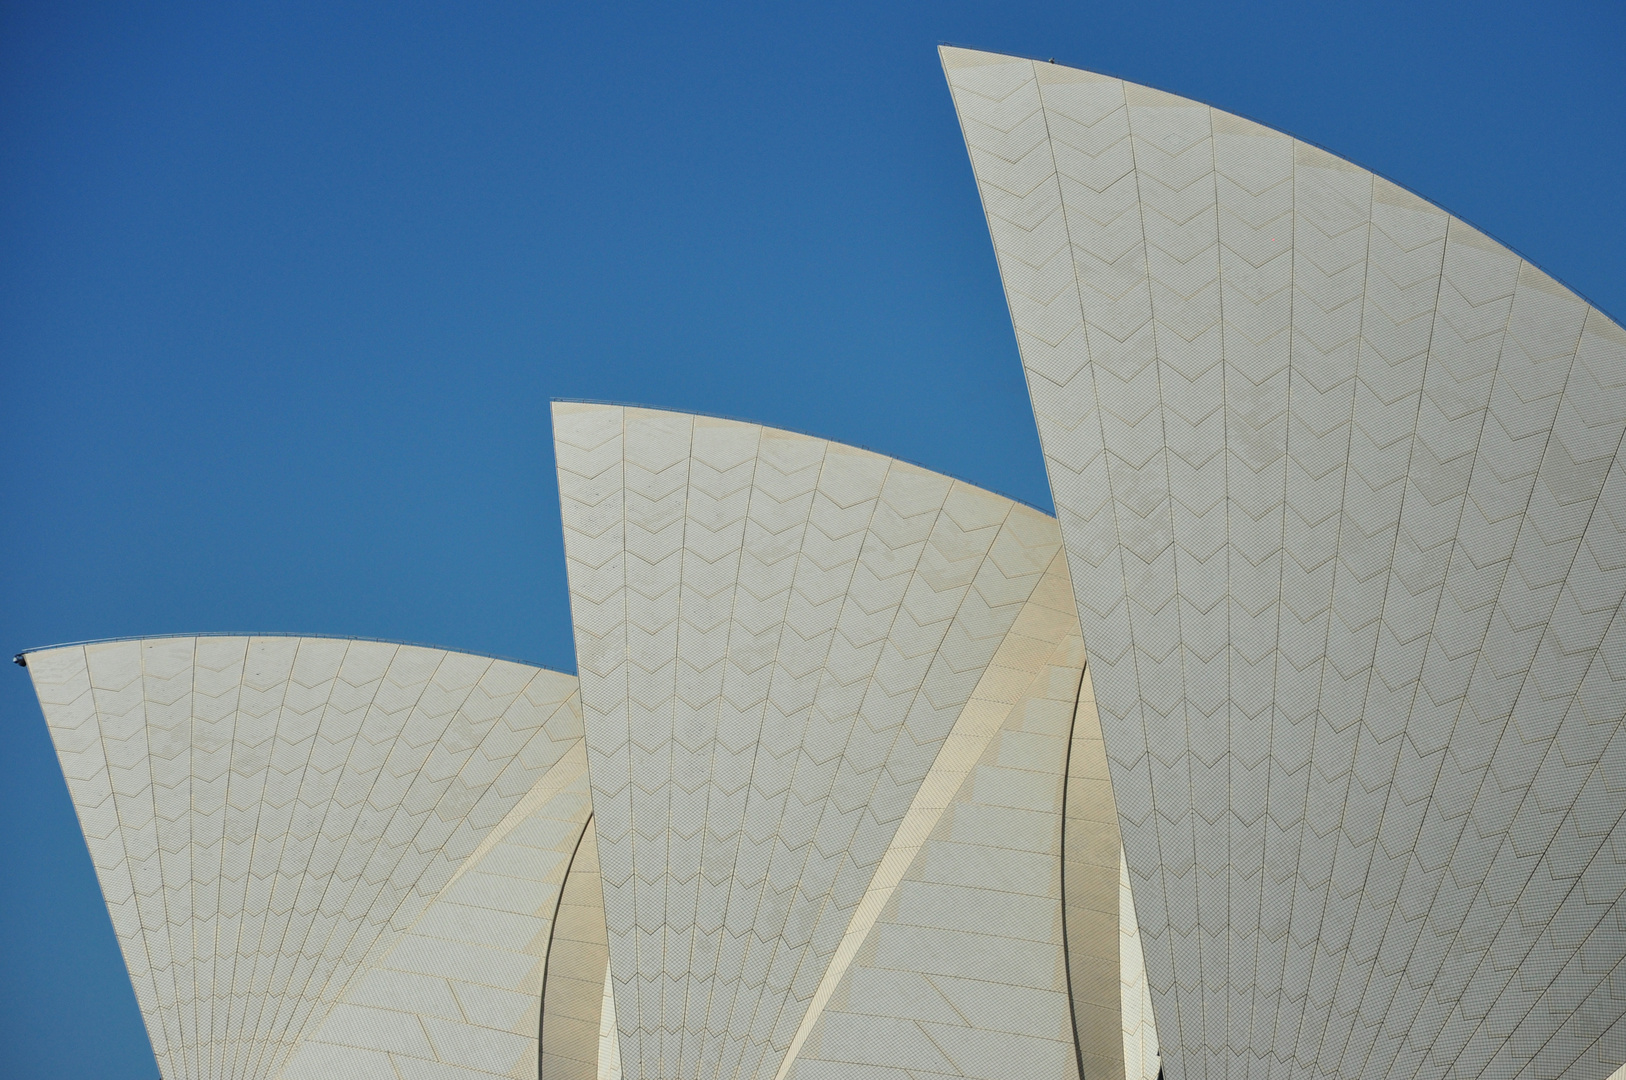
(305, 840)
(1340, 487)
(828, 700)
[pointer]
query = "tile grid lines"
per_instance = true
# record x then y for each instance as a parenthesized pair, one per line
(408, 712)
(233, 1046)
(273, 1038)
(1456, 551)
(196, 710)
(705, 1035)
(254, 1045)
(1602, 979)
(683, 558)
(1407, 484)
(176, 1008)
(760, 892)
(474, 682)
(672, 743)
(462, 985)
(1044, 119)
(1343, 500)
(223, 999)
(682, 550)
(753, 423)
(1478, 652)
(1449, 377)
(647, 1010)
(1552, 745)
(206, 1048)
(1168, 474)
(1087, 327)
(626, 673)
(690, 1007)
(244, 1045)
(199, 1045)
(846, 746)
(1231, 605)
(533, 800)
(1281, 602)
(623, 662)
(1394, 546)
(249, 1071)
(1618, 1029)
(1280, 659)
(248, 873)
(265, 1041)
(189, 1047)
(710, 1037)
(931, 969)
(197, 1027)
(1030, 374)
(914, 830)
(217, 1037)
(179, 1048)
(1524, 682)
(547, 954)
(823, 673)
(147, 992)
(897, 735)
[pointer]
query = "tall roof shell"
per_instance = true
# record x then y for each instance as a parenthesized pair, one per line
(1340, 486)
(829, 700)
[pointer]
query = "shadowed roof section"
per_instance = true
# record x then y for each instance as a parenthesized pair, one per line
(1339, 482)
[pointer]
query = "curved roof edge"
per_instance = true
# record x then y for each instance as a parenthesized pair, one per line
(17, 658)
(1379, 173)
(807, 434)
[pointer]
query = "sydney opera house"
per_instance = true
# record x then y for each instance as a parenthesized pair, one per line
(1294, 745)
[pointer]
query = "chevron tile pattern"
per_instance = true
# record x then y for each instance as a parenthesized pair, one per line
(270, 817)
(954, 963)
(1340, 487)
(777, 635)
(456, 996)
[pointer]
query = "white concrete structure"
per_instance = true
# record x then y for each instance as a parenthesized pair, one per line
(323, 857)
(1340, 486)
(828, 702)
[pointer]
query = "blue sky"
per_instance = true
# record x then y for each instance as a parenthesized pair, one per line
(285, 290)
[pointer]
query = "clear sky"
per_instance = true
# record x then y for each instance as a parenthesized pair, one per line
(285, 290)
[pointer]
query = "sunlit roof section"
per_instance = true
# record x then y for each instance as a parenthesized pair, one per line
(1339, 483)
(272, 817)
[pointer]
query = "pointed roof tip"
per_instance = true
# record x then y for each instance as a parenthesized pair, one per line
(959, 56)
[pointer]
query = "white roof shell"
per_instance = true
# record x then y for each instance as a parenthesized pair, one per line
(1340, 486)
(344, 848)
(828, 700)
